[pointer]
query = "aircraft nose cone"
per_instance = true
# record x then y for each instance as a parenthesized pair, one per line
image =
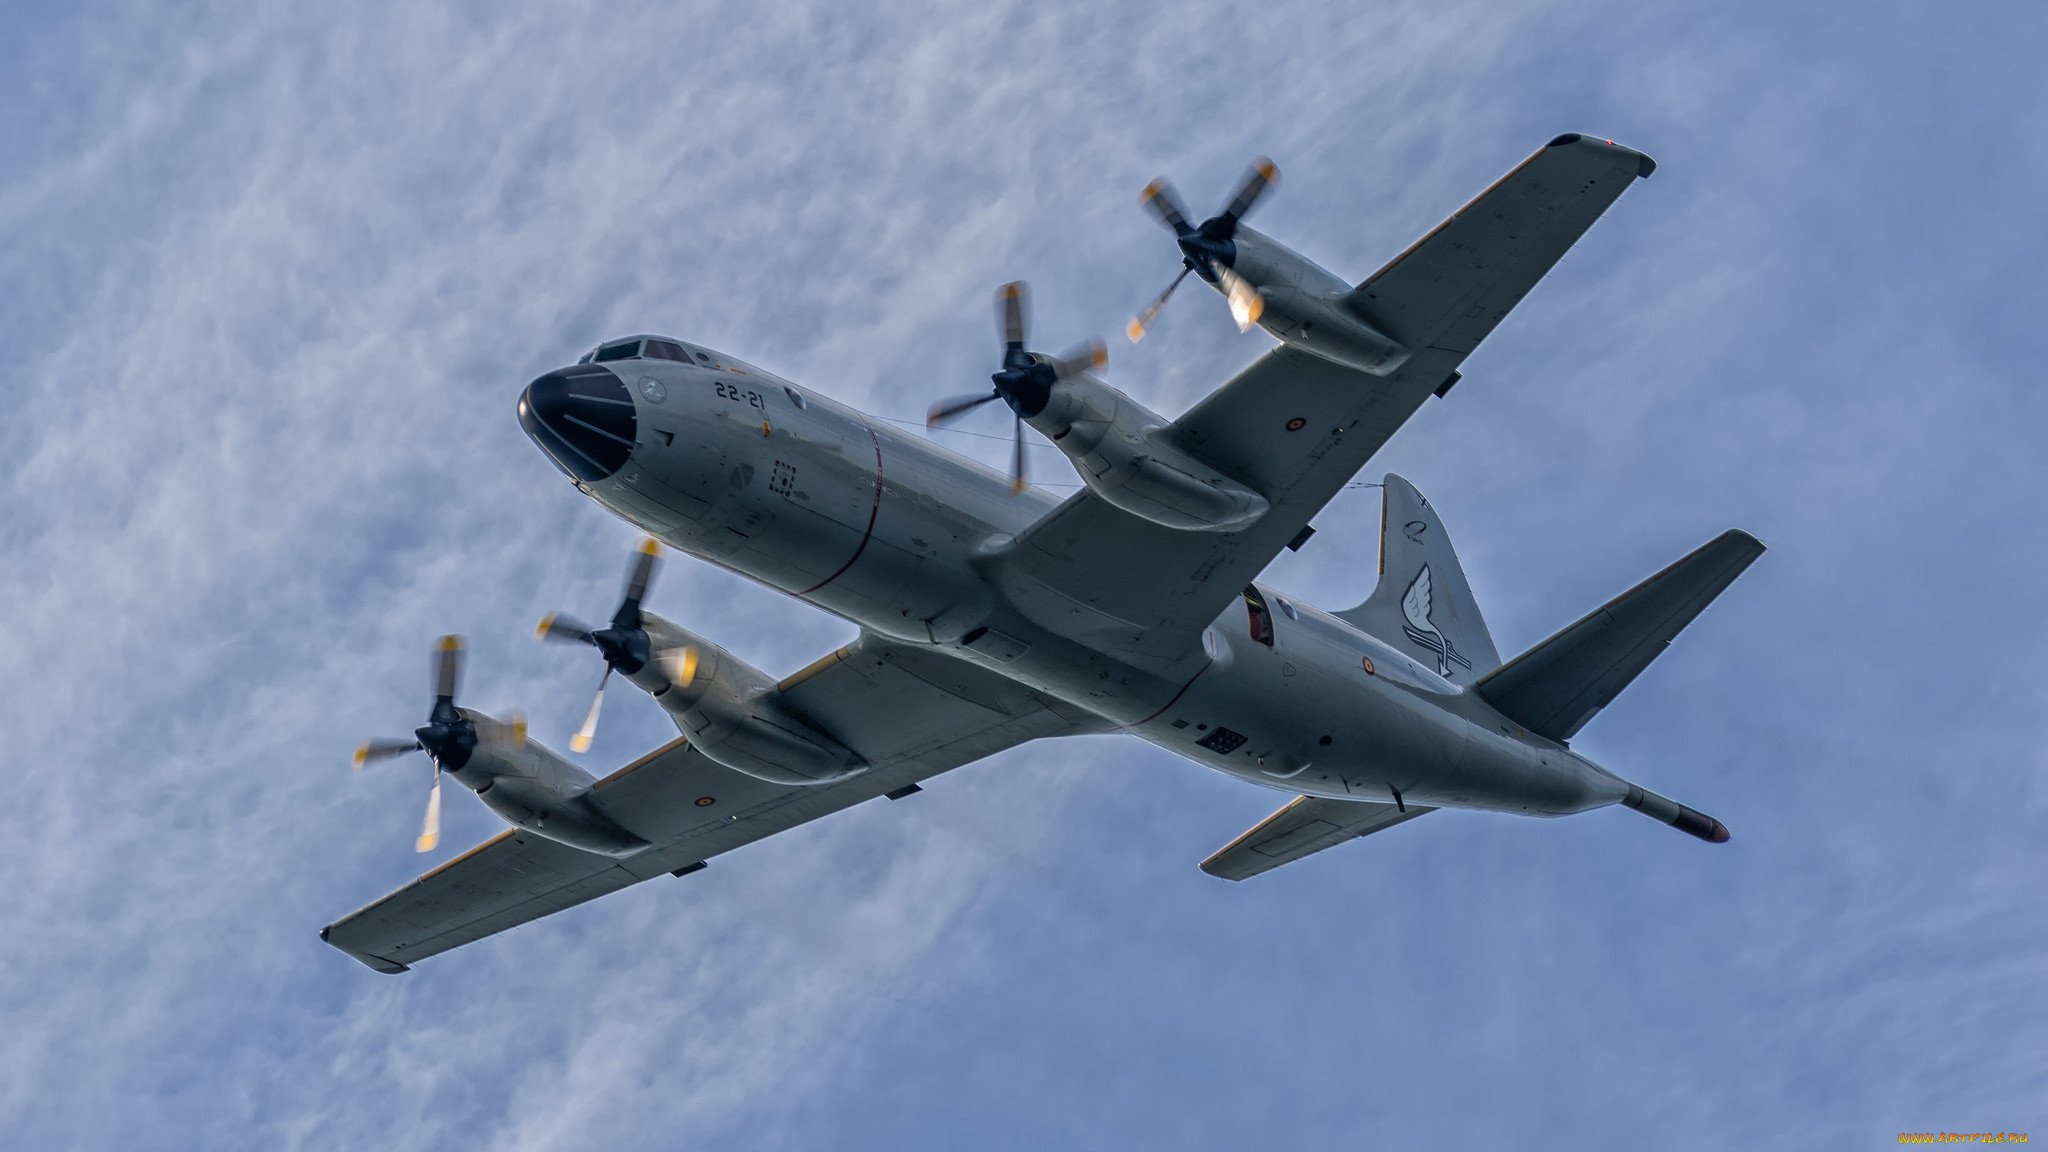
(582, 417)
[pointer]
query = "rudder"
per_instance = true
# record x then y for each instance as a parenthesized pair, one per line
(1422, 604)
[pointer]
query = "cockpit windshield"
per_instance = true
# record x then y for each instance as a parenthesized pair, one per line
(651, 347)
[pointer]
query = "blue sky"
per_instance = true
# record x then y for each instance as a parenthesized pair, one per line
(271, 278)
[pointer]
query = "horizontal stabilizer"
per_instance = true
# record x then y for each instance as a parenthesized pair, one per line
(1554, 688)
(1307, 824)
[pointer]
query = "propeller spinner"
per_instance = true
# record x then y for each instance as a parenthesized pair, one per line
(1207, 249)
(448, 737)
(1026, 379)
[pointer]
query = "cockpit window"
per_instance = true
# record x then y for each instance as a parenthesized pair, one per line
(621, 351)
(664, 350)
(1261, 617)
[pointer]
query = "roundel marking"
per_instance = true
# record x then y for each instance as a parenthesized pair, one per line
(706, 801)
(1296, 424)
(1368, 667)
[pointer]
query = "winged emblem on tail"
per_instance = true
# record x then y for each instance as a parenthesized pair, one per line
(1417, 605)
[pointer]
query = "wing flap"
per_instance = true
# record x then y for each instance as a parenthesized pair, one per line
(1306, 825)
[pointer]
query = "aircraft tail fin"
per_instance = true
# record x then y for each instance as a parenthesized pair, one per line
(1554, 688)
(1422, 604)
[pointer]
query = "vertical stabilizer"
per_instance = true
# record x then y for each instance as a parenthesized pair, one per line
(1422, 604)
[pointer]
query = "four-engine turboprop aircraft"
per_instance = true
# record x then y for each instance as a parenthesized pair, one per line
(992, 613)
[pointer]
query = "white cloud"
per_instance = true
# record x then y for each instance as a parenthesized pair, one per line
(273, 280)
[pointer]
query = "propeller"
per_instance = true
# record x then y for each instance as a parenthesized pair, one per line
(624, 644)
(1026, 379)
(1208, 249)
(449, 737)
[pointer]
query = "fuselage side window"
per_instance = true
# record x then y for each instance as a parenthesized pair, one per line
(1261, 617)
(625, 351)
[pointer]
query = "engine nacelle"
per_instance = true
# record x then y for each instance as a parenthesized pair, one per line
(733, 713)
(1125, 452)
(1306, 307)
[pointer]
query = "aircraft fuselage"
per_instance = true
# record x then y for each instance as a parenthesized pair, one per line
(894, 533)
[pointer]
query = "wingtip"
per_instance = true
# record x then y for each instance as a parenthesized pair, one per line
(1644, 164)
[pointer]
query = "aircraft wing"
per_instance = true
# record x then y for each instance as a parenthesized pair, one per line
(910, 713)
(1306, 825)
(1296, 428)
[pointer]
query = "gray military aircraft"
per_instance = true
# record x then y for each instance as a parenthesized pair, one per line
(992, 613)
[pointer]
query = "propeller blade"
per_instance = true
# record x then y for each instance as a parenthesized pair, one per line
(681, 665)
(448, 666)
(1010, 300)
(643, 570)
(947, 409)
(1136, 331)
(584, 735)
(1087, 358)
(1158, 196)
(383, 750)
(1017, 455)
(430, 833)
(1262, 176)
(504, 734)
(555, 626)
(1246, 305)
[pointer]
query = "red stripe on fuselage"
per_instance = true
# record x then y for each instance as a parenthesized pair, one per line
(874, 511)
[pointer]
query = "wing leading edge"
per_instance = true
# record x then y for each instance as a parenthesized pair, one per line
(911, 714)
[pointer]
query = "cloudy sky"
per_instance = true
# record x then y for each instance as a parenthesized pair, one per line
(271, 277)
